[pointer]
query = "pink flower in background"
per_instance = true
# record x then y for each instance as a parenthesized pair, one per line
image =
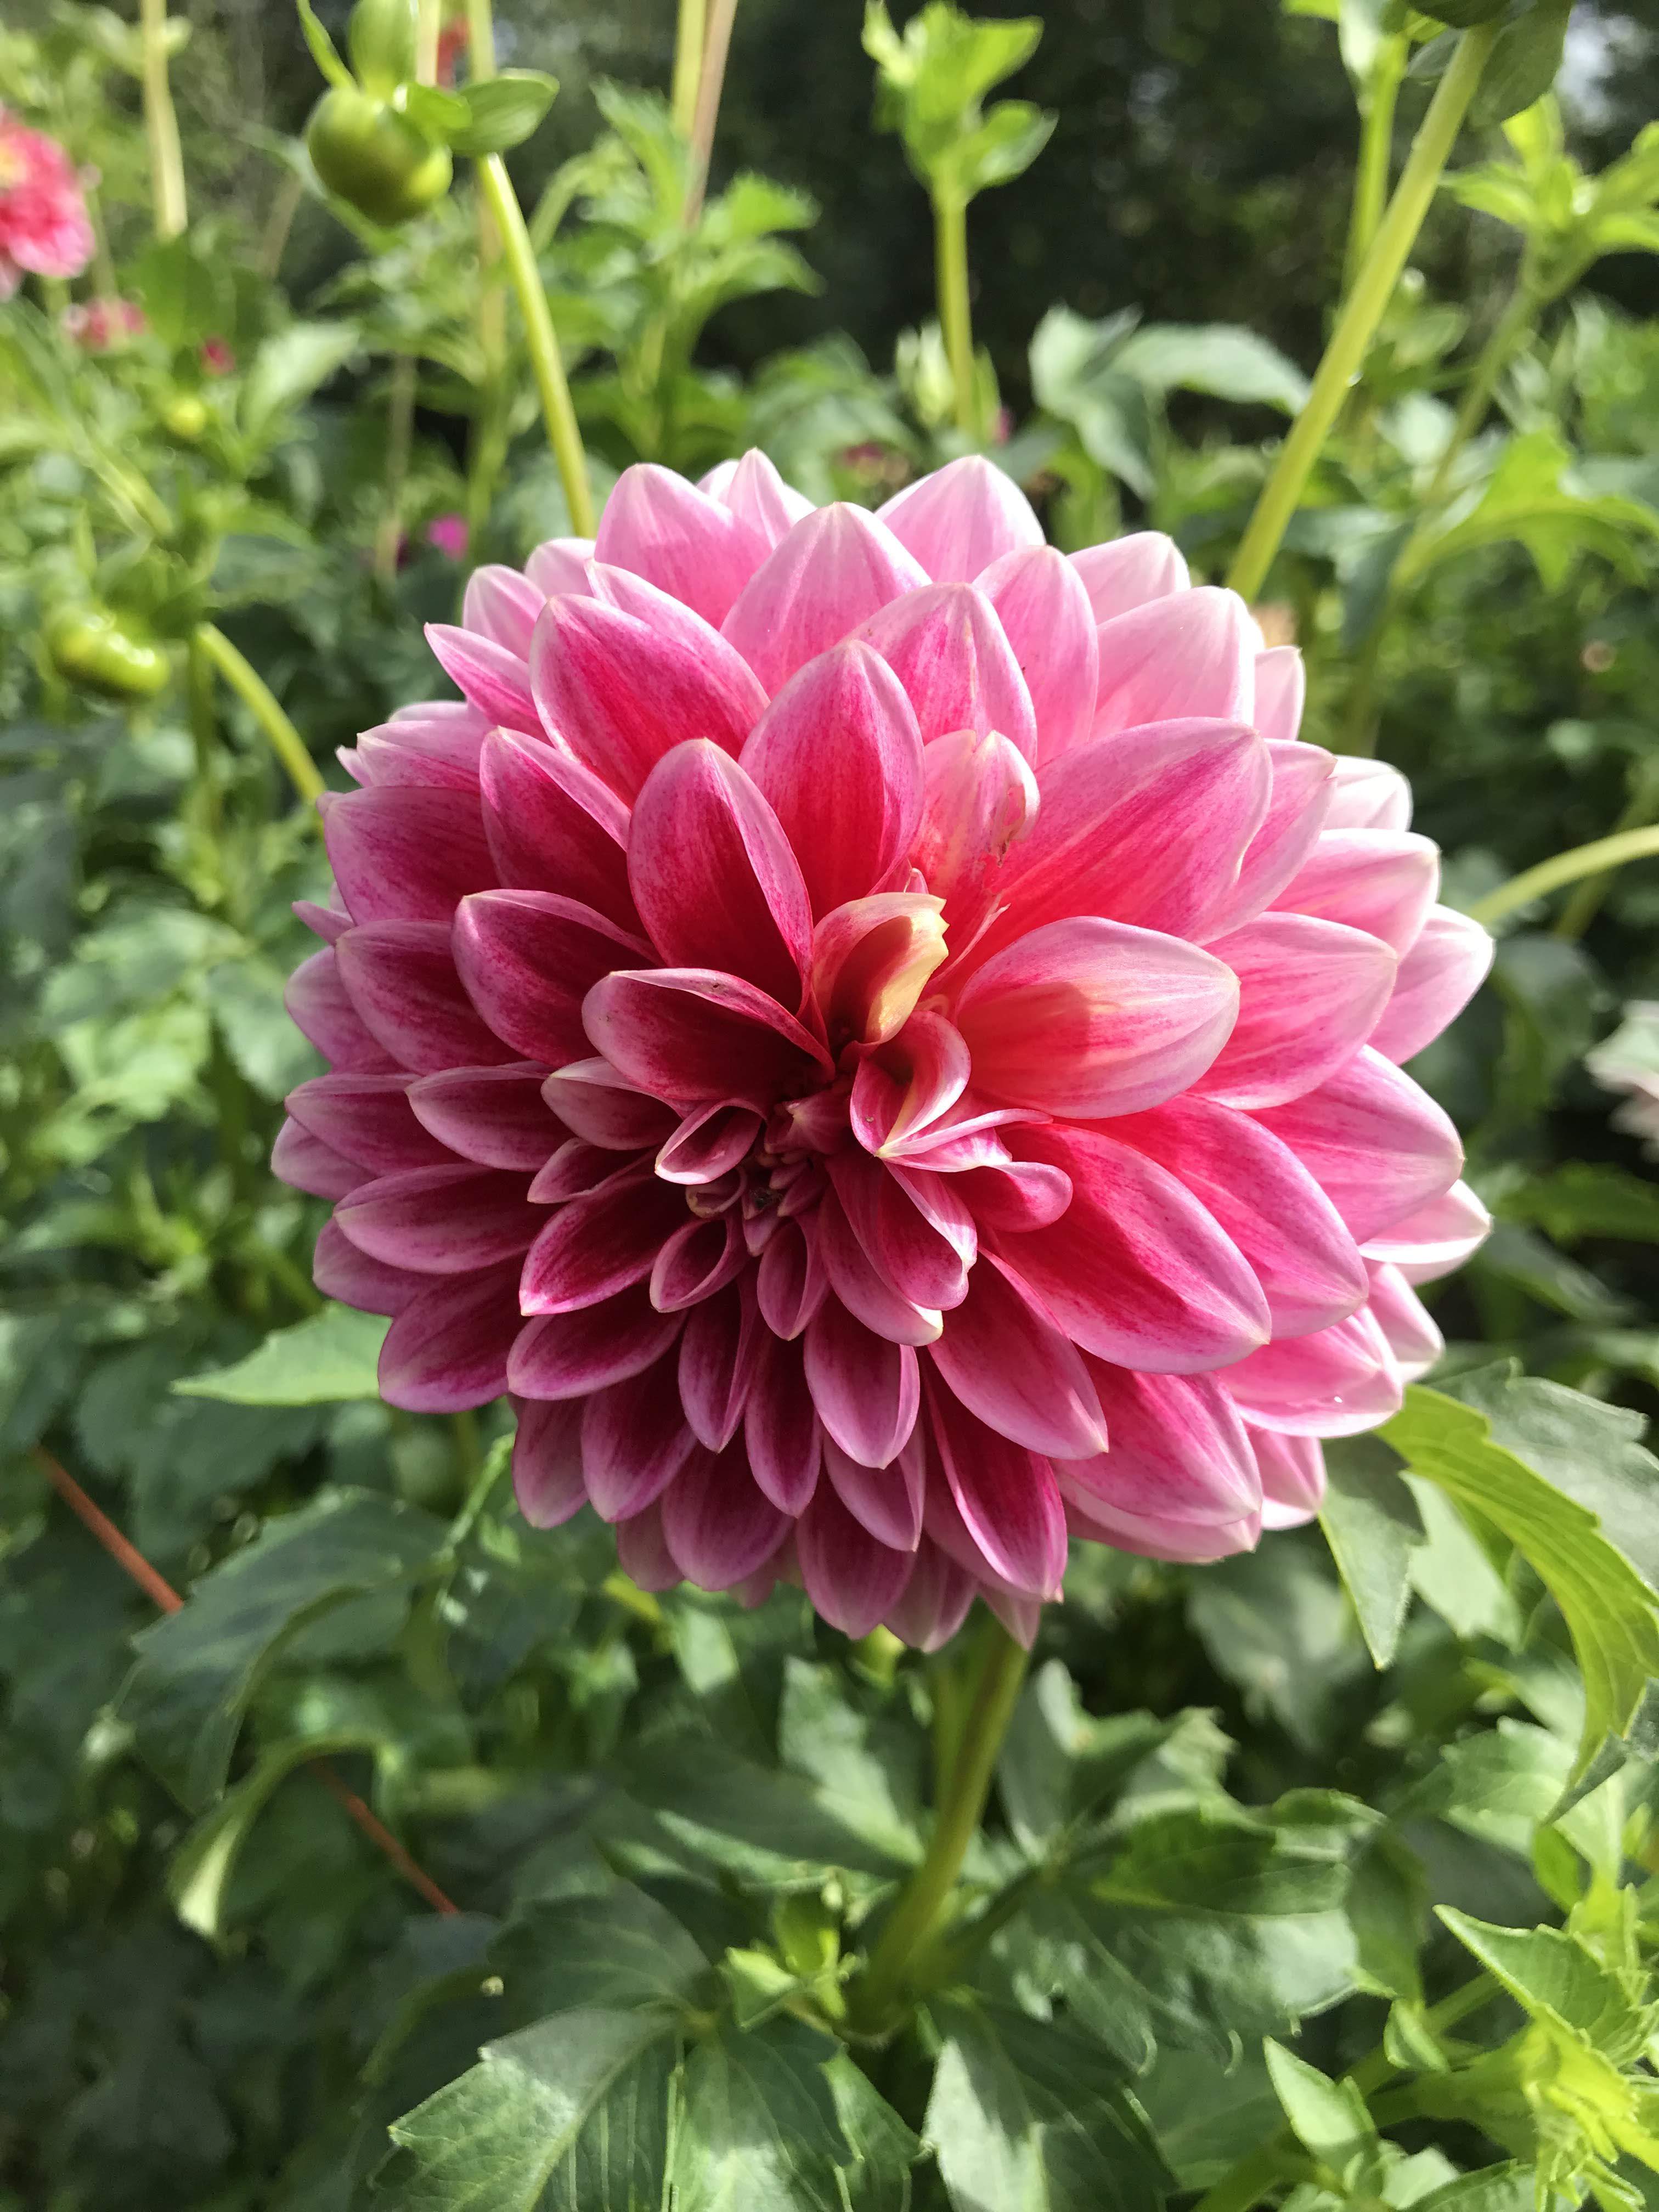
(1628, 1061)
(217, 358)
(880, 1038)
(448, 532)
(44, 226)
(97, 325)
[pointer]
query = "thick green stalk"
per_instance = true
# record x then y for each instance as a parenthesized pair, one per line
(1605, 855)
(956, 1822)
(711, 83)
(428, 29)
(251, 689)
(1373, 287)
(951, 277)
(689, 33)
(541, 341)
(1371, 183)
(167, 160)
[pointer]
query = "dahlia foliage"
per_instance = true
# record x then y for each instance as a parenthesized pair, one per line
(880, 1038)
(44, 230)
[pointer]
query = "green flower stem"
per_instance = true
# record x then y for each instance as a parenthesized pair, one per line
(711, 83)
(428, 29)
(1594, 859)
(167, 160)
(542, 341)
(1494, 357)
(1581, 908)
(956, 1822)
(204, 730)
(950, 276)
(690, 34)
(251, 689)
(1370, 184)
(480, 39)
(399, 442)
(1372, 289)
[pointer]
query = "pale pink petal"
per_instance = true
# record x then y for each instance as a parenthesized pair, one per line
(757, 494)
(1089, 1018)
(1437, 1238)
(872, 959)
(570, 1355)
(553, 826)
(719, 1353)
(1382, 881)
(852, 1580)
(1178, 1451)
(448, 1350)
(692, 1035)
(434, 746)
(495, 680)
(634, 1442)
(697, 1260)
(1370, 795)
(933, 1603)
(708, 1141)
(1405, 1321)
(1446, 966)
(1157, 1536)
(502, 605)
(403, 984)
(328, 922)
(834, 570)
(1310, 992)
(676, 536)
(1004, 1360)
(441, 1221)
(1043, 607)
(341, 1271)
(367, 1118)
(528, 960)
(866, 1389)
(404, 853)
(547, 1465)
(963, 517)
(887, 1501)
(780, 1428)
(558, 567)
(979, 797)
(599, 1244)
(1281, 688)
(1022, 1195)
(1298, 805)
(949, 652)
(718, 1524)
(908, 1082)
(602, 1108)
(1334, 1383)
(1292, 1478)
(494, 1115)
(838, 754)
(1006, 1497)
(1173, 658)
(305, 1163)
(1379, 1146)
(1130, 572)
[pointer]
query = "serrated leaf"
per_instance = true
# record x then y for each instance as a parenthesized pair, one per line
(868, 1772)
(331, 1356)
(1372, 1525)
(979, 2125)
(502, 112)
(883, 2147)
(1328, 2118)
(758, 2129)
(583, 1954)
(1558, 1978)
(1387, 1903)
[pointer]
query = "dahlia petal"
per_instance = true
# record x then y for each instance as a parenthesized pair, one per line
(1281, 691)
(1437, 1238)
(1178, 1451)
(953, 659)
(597, 1245)
(1007, 1495)
(428, 748)
(502, 605)
(712, 874)
(1292, 1478)
(790, 1282)
(1445, 967)
(720, 1351)
(330, 923)
(495, 1116)
(441, 1221)
(1004, 1360)
(528, 959)
(495, 680)
(964, 1138)
(305, 1163)
(693, 1036)
(1405, 1321)
(963, 517)
(1378, 1145)
(367, 1119)
(933, 1603)
(1130, 572)
(862, 1285)
(558, 567)
(340, 1271)
(838, 756)
(908, 1083)
(553, 826)
(402, 853)
(642, 1551)
(621, 691)
(1303, 1258)
(1043, 607)
(1370, 795)
(757, 494)
(1192, 654)
(448, 1350)
(1157, 1536)
(781, 1430)
(572, 1169)
(634, 1442)
(600, 1107)
(677, 538)
(547, 1464)
(852, 1578)
(708, 1141)
(1021, 1194)
(696, 1262)
(1135, 1270)
(1298, 807)
(926, 1240)
(1382, 881)
(320, 1008)
(871, 962)
(402, 980)
(885, 1501)
(1333, 1383)
(866, 1389)
(718, 1524)
(979, 797)
(1310, 993)
(1089, 1018)
(570, 1355)
(834, 569)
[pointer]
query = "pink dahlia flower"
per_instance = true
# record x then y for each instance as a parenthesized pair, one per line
(1628, 1061)
(43, 227)
(878, 1036)
(99, 325)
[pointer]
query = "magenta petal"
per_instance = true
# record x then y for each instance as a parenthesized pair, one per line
(697, 1260)
(886, 1501)
(1043, 607)
(600, 1243)
(719, 1352)
(718, 1526)
(494, 1115)
(1135, 1270)
(695, 1037)
(558, 567)
(1178, 1451)
(341, 1271)
(621, 691)
(924, 1235)
(305, 1163)
(320, 1007)
(1306, 1262)
(330, 923)
(1298, 807)
(872, 959)
(1437, 1238)
(441, 1221)
(401, 977)
(909, 1084)
(602, 1108)
(712, 875)
(1382, 881)
(1128, 572)
(790, 1282)
(963, 517)
(547, 1465)
(1446, 966)
(780, 1428)
(1292, 1478)
(691, 546)
(1334, 1383)
(1007, 1495)
(448, 1350)
(852, 1580)
(634, 1442)
(757, 494)
(1378, 1145)
(835, 567)
(642, 1551)
(502, 605)
(528, 960)
(1370, 795)
(1281, 687)
(979, 796)
(838, 755)
(709, 1142)
(572, 1169)
(866, 1389)
(1022, 1195)
(442, 752)
(495, 680)
(553, 826)
(1405, 1321)
(933, 1603)
(1004, 1358)
(1156, 1535)
(1310, 992)
(1191, 655)
(860, 1279)
(367, 1119)
(953, 659)
(569, 1355)
(1088, 1019)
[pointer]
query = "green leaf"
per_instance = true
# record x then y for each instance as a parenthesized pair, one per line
(930, 82)
(1387, 1903)
(1523, 62)
(501, 112)
(1586, 1197)
(622, 1952)
(1372, 1525)
(197, 1668)
(883, 2149)
(1328, 2118)
(1558, 1978)
(1460, 13)
(980, 2126)
(1611, 1612)
(1097, 2149)
(382, 38)
(1220, 358)
(289, 368)
(758, 2129)
(246, 999)
(331, 1356)
(1510, 2187)
(1057, 1764)
(323, 50)
(869, 1771)
(499, 2136)
(187, 297)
